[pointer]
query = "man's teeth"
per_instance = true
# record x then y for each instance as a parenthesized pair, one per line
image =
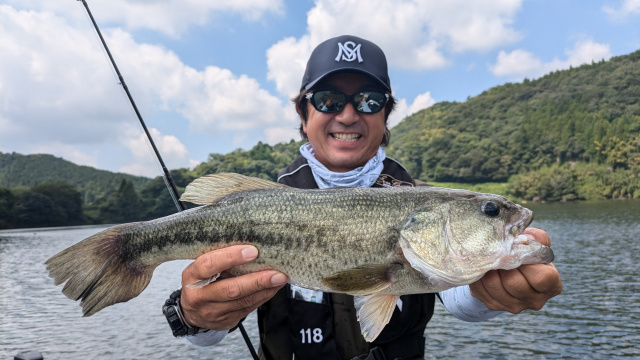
(346, 137)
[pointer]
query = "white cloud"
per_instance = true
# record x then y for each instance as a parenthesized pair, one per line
(211, 100)
(626, 8)
(67, 152)
(174, 153)
(57, 86)
(170, 17)
(194, 163)
(413, 34)
(50, 74)
(586, 51)
(519, 64)
(8, 127)
(286, 61)
(216, 99)
(282, 134)
(421, 101)
(140, 169)
(398, 114)
(473, 25)
(80, 158)
(240, 138)
(403, 110)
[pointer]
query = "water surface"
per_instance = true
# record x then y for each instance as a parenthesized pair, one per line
(597, 315)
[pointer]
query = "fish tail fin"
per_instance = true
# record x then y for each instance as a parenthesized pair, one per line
(97, 273)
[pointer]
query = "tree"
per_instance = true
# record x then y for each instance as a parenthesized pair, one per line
(67, 202)
(35, 210)
(122, 205)
(7, 201)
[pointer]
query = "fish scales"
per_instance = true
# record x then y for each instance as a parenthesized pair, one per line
(376, 243)
(308, 234)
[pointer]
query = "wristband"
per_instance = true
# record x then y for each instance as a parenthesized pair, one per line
(172, 311)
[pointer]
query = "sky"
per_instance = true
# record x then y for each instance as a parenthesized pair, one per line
(213, 76)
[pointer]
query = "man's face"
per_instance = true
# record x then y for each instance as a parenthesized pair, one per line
(348, 139)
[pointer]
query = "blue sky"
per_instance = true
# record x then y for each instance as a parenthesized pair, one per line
(213, 76)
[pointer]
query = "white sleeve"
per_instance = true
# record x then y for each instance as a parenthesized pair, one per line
(461, 304)
(208, 338)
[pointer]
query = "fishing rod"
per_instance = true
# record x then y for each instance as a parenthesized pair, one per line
(168, 179)
(171, 186)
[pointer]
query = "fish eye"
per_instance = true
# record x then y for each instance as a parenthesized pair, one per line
(491, 208)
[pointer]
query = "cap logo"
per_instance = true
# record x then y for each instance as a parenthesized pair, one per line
(349, 52)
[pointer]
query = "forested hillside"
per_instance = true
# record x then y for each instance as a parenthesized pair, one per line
(263, 160)
(56, 196)
(17, 170)
(582, 122)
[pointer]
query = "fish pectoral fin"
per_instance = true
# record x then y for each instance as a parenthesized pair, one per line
(363, 280)
(209, 189)
(374, 313)
(202, 283)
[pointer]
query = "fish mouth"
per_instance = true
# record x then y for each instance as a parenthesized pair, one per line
(525, 219)
(531, 251)
(346, 137)
(526, 248)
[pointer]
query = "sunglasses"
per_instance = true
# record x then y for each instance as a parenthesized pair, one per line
(333, 101)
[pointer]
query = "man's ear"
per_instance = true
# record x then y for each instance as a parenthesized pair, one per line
(304, 123)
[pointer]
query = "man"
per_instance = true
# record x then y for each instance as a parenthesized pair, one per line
(344, 149)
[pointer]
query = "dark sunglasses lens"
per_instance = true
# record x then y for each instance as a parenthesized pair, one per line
(370, 101)
(328, 101)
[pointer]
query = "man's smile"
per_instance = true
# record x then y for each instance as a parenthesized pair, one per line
(348, 137)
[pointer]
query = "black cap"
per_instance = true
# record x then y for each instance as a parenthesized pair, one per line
(346, 53)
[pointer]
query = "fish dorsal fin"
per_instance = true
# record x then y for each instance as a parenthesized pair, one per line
(363, 280)
(374, 313)
(209, 189)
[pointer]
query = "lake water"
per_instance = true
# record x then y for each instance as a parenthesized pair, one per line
(597, 247)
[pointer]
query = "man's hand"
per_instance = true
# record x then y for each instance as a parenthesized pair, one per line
(223, 303)
(527, 287)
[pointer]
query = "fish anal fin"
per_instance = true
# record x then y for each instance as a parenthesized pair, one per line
(374, 313)
(209, 189)
(363, 280)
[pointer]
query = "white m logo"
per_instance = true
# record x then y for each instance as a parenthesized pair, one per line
(349, 52)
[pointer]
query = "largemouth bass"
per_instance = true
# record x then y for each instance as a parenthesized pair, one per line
(375, 243)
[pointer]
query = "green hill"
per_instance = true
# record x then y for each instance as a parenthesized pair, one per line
(575, 123)
(590, 114)
(17, 170)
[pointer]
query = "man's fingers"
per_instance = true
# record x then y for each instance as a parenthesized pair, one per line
(538, 235)
(242, 286)
(515, 284)
(543, 278)
(528, 287)
(491, 292)
(222, 304)
(225, 315)
(214, 262)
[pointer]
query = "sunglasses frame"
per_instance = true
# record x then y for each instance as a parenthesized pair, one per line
(347, 98)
